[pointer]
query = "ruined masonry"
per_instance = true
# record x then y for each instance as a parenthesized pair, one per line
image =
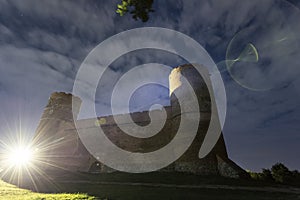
(61, 148)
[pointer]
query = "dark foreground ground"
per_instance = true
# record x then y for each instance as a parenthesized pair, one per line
(157, 185)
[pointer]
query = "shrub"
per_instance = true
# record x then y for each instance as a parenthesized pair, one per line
(254, 175)
(279, 173)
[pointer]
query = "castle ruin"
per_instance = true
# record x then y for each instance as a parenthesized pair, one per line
(61, 147)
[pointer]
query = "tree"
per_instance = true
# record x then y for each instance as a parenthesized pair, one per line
(281, 173)
(296, 177)
(139, 9)
(266, 175)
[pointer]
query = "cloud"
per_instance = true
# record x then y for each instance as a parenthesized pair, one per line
(43, 45)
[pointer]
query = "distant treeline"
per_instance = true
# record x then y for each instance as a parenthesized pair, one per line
(279, 173)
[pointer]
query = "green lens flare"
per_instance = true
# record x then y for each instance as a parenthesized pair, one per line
(257, 54)
(249, 54)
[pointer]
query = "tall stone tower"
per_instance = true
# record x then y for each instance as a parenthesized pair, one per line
(217, 161)
(56, 139)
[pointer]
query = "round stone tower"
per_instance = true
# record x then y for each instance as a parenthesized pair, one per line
(190, 161)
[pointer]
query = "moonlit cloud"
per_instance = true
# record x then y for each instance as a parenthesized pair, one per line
(43, 44)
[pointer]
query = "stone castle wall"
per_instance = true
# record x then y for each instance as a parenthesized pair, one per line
(57, 135)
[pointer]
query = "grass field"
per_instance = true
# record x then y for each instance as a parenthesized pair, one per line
(11, 192)
(165, 186)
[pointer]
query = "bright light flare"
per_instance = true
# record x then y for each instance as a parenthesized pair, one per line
(21, 159)
(20, 156)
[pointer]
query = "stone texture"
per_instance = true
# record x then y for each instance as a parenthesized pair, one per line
(60, 145)
(57, 146)
(228, 168)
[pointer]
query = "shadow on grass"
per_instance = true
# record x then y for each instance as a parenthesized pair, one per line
(155, 185)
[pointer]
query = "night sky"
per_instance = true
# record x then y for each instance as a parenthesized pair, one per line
(43, 43)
